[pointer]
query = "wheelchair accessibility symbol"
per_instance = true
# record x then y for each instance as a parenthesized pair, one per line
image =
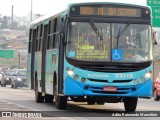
(116, 54)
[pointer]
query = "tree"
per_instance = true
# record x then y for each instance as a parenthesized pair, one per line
(22, 27)
(4, 23)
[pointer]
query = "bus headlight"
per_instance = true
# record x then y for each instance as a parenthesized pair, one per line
(76, 77)
(83, 79)
(147, 75)
(67, 68)
(70, 72)
(136, 81)
(143, 79)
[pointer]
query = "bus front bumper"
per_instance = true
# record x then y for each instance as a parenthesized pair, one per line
(75, 88)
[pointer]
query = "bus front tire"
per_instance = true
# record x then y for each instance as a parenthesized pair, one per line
(61, 102)
(130, 104)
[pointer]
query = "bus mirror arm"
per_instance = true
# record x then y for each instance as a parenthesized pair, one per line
(62, 31)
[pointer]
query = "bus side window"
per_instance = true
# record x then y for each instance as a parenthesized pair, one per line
(36, 44)
(49, 36)
(56, 35)
(30, 41)
(40, 38)
(54, 23)
(45, 36)
(34, 40)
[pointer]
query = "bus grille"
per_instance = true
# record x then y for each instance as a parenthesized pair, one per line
(103, 92)
(106, 81)
(111, 69)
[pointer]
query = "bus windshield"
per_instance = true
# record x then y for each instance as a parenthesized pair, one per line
(134, 42)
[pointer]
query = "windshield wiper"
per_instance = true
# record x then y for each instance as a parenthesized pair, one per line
(120, 32)
(95, 29)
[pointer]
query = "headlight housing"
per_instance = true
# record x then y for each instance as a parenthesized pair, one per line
(136, 81)
(7, 78)
(143, 79)
(147, 75)
(76, 77)
(70, 72)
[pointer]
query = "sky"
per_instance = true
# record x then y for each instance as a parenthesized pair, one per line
(43, 7)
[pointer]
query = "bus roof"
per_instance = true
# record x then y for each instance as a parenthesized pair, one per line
(112, 3)
(46, 17)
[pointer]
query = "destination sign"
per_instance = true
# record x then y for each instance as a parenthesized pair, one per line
(110, 11)
(119, 11)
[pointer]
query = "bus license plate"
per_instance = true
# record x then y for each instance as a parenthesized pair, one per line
(110, 89)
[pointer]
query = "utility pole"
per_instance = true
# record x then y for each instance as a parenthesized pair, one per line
(19, 60)
(12, 18)
(31, 10)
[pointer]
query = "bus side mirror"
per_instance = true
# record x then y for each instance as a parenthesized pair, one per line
(155, 38)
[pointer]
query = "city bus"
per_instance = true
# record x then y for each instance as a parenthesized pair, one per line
(92, 52)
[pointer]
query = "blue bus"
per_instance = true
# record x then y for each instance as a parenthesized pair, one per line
(92, 52)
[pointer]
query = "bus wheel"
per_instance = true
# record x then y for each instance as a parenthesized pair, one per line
(130, 104)
(49, 98)
(156, 97)
(60, 101)
(38, 95)
(39, 98)
(100, 102)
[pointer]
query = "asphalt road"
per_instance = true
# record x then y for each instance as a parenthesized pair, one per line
(22, 99)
